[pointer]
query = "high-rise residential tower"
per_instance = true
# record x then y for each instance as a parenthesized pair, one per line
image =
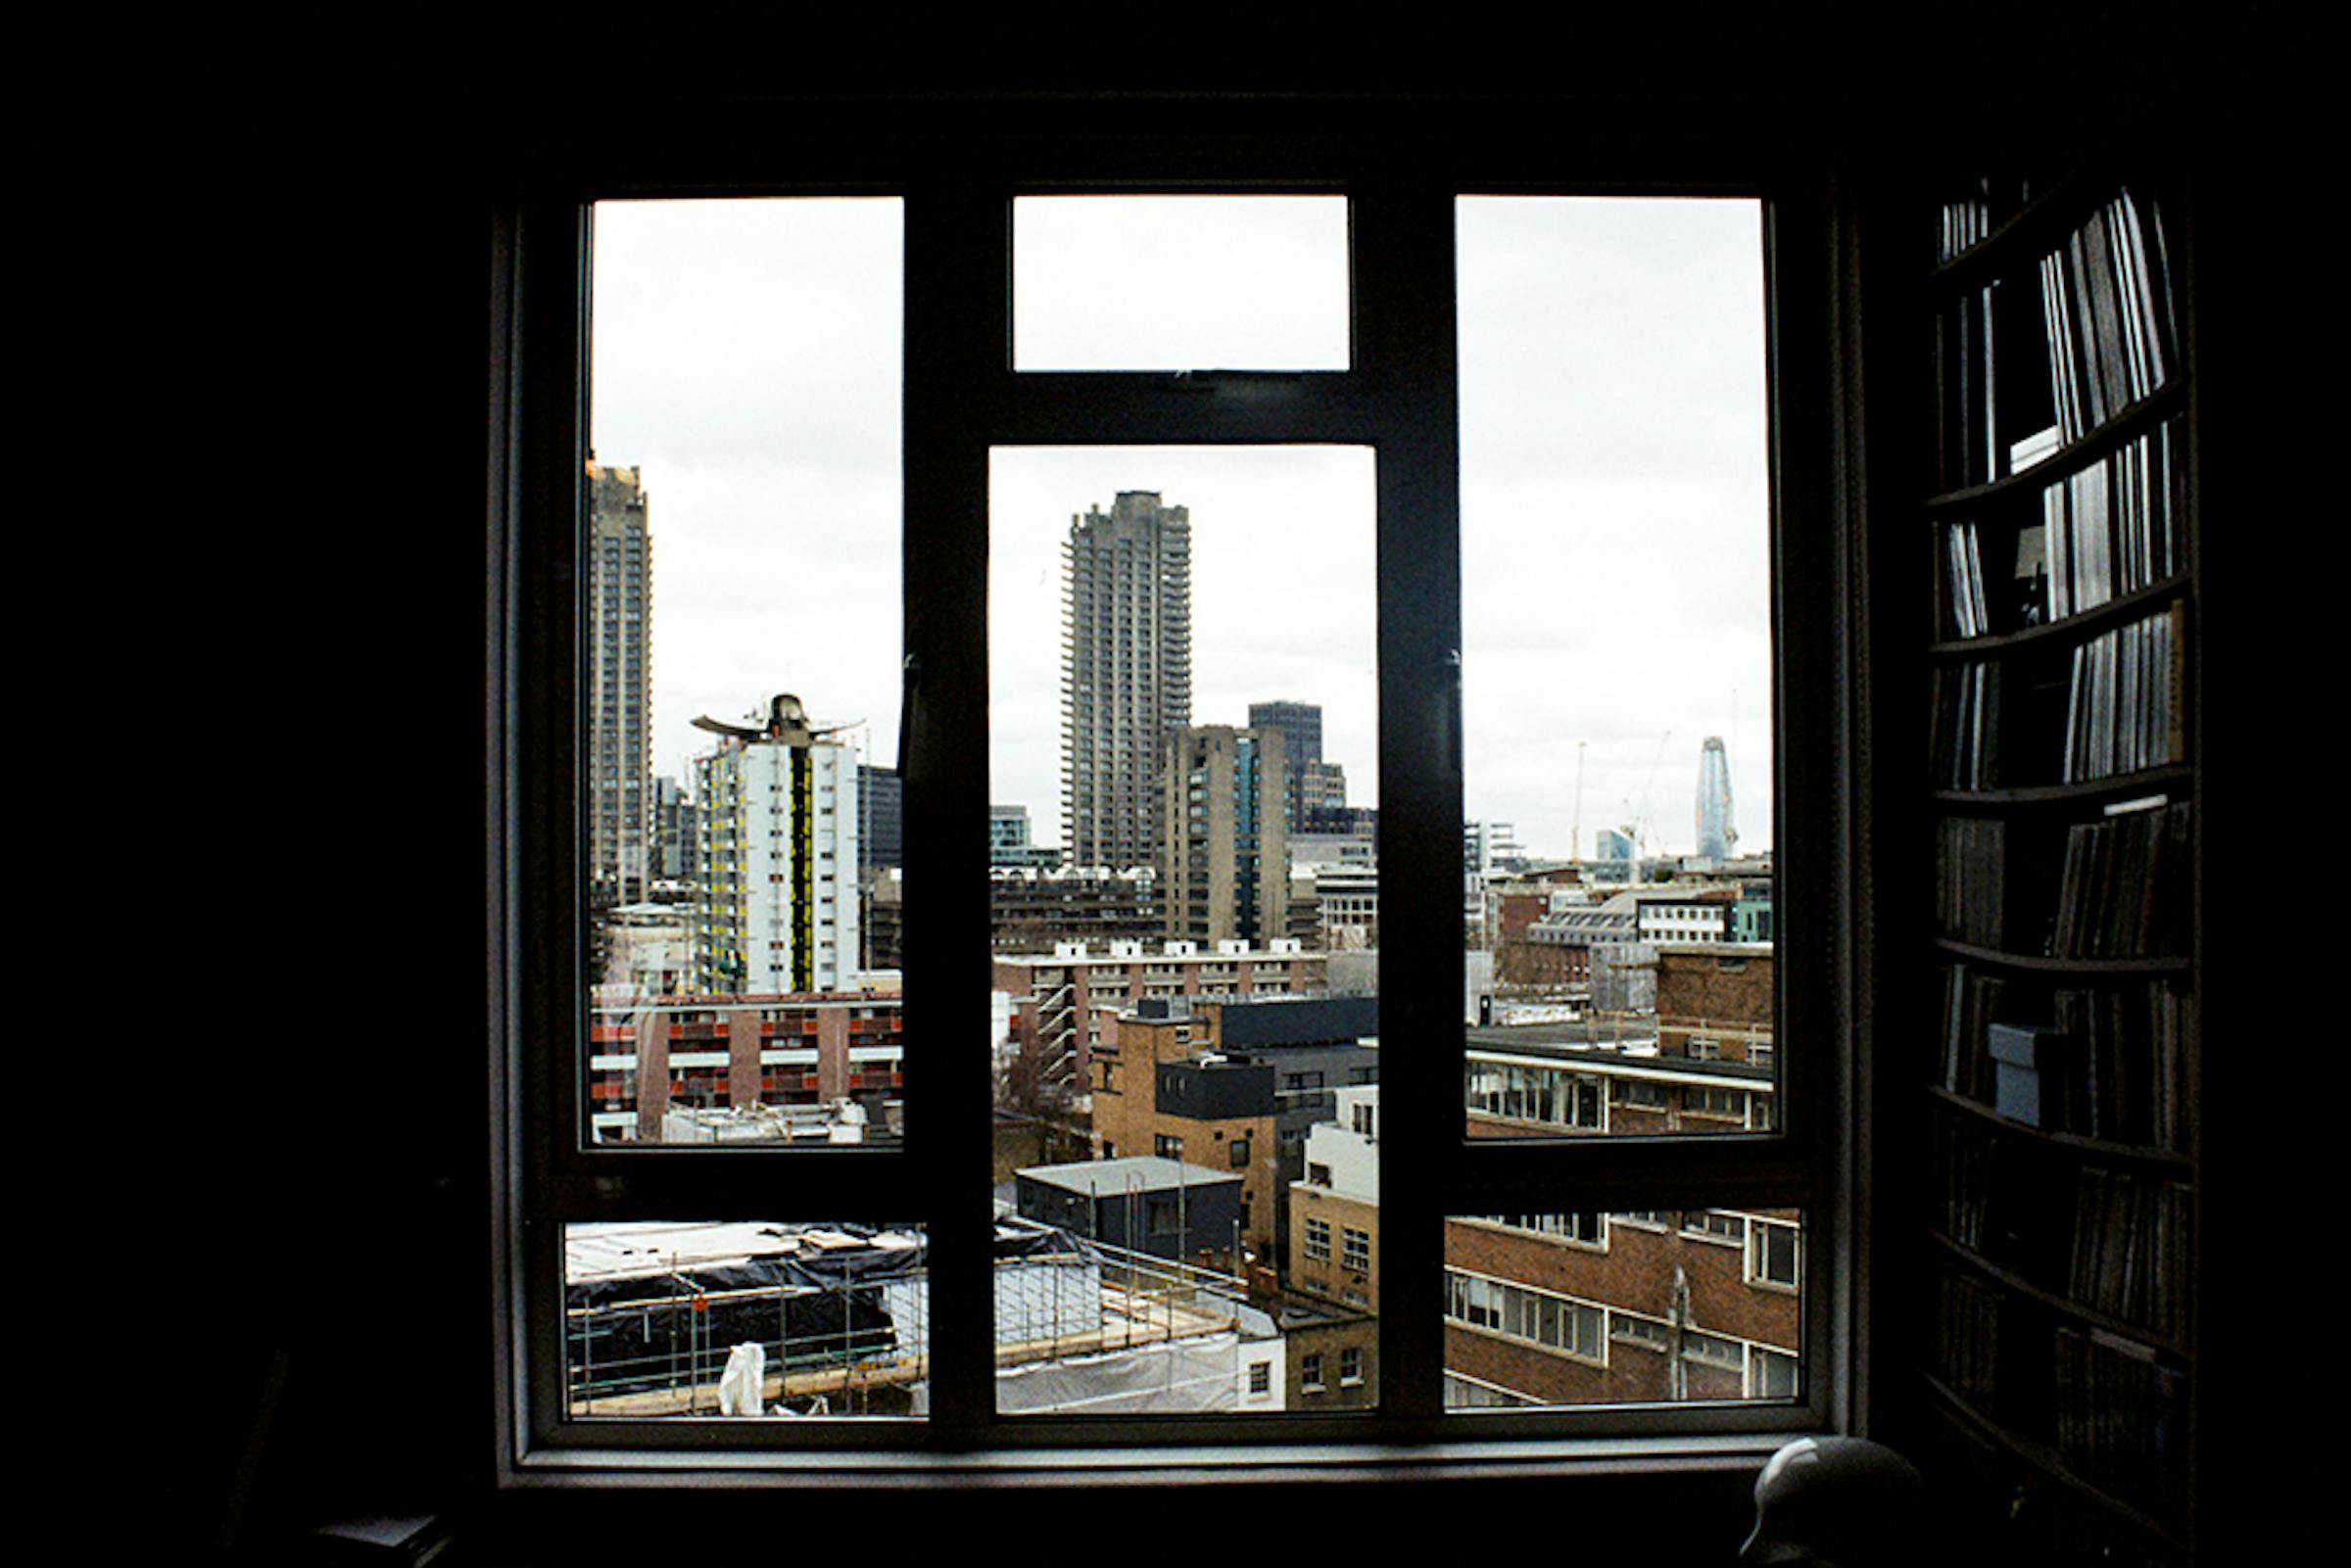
(1127, 673)
(620, 684)
(777, 902)
(1226, 875)
(1716, 837)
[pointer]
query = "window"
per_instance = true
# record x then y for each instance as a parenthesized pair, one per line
(902, 1177)
(1772, 1252)
(1714, 1226)
(1541, 1318)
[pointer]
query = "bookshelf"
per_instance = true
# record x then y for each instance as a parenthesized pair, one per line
(2060, 1091)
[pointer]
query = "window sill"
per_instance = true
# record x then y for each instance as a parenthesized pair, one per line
(1190, 1464)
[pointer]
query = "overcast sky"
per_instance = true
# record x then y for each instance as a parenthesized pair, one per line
(747, 358)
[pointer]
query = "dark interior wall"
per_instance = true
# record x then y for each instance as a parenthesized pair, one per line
(338, 249)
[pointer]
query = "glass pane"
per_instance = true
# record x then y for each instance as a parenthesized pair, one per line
(1616, 667)
(1179, 283)
(1187, 1054)
(741, 704)
(669, 1318)
(1593, 1308)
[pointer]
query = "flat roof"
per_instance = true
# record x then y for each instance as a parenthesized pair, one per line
(1134, 1173)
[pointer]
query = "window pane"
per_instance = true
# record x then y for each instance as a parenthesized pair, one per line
(1566, 1310)
(1189, 1056)
(1179, 283)
(1616, 667)
(743, 842)
(744, 1320)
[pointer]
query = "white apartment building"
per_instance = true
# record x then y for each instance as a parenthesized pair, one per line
(777, 848)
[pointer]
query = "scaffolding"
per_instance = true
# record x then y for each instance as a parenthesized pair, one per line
(853, 1337)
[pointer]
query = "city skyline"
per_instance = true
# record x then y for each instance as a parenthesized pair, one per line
(747, 359)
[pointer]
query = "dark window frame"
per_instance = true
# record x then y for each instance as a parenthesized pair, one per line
(962, 399)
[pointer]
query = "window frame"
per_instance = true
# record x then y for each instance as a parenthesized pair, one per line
(962, 399)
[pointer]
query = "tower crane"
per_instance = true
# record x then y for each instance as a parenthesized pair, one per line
(1638, 828)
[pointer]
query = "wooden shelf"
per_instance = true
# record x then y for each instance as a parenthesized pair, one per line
(2056, 1301)
(2052, 636)
(2043, 1460)
(2139, 1153)
(2086, 968)
(2165, 779)
(2104, 442)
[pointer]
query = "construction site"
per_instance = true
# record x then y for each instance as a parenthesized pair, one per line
(784, 1320)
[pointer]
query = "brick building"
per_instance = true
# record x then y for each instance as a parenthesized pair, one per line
(1057, 1000)
(1589, 1309)
(648, 1055)
(1715, 1004)
(1579, 1308)
(1334, 1211)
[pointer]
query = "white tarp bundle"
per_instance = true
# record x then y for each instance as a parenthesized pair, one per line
(742, 1384)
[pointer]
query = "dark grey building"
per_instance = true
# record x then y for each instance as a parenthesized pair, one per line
(881, 817)
(1143, 1204)
(1310, 783)
(674, 816)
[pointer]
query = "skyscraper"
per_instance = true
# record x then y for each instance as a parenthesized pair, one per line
(1127, 673)
(620, 684)
(1301, 727)
(777, 902)
(1716, 837)
(880, 817)
(1226, 872)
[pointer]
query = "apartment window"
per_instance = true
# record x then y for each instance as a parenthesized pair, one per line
(1714, 1226)
(1772, 1251)
(1539, 1317)
(897, 1188)
(1354, 1249)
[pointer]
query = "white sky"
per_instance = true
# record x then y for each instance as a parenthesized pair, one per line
(746, 359)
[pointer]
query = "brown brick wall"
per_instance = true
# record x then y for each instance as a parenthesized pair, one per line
(1329, 1278)
(1636, 1273)
(1695, 989)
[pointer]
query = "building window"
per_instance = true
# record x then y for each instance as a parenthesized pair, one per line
(954, 282)
(1771, 1374)
(1261, 1377)
(1714, 1226)
(1351, 1366)
(1539, 1317)
(1309, 1372)
(1355, 1250)
(1772, 1251)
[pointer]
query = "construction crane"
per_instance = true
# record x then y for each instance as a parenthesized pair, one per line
(1638, 828)
(1575, 827)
